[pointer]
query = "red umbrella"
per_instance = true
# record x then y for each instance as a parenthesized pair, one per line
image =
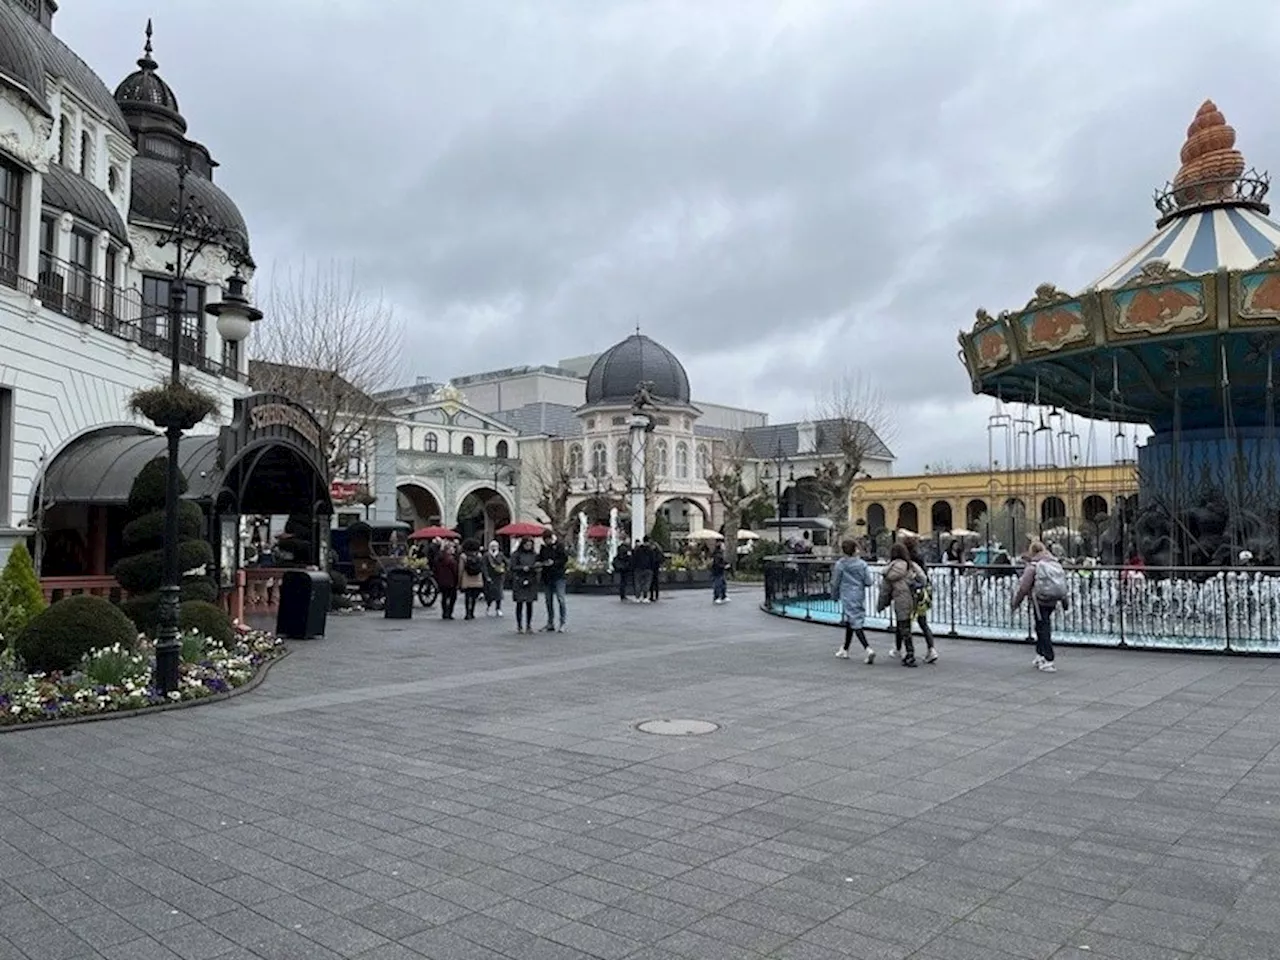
(522, 530)
(430, 533)
(598, 531)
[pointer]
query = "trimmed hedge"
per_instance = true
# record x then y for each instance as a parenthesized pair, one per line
(208, 618)
(147, 532)
(57, 638)
(21, 599)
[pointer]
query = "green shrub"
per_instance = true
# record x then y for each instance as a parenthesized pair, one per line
(193, 646)
(209, 619)
(21, 598)
(143, 573)
(661, 532)
(147, 532)
(57, 638)
(111, 666)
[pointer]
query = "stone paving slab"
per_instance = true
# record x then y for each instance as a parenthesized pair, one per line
(400, 791)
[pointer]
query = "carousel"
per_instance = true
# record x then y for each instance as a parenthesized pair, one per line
(1178, 339)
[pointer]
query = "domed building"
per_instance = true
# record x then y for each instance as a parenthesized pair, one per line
(89, 185)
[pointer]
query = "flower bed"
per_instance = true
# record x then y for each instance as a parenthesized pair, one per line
(114, 679)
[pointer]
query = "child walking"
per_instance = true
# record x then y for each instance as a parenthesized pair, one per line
(849, 582)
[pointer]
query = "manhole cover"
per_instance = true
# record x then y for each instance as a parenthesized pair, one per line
(678, 728)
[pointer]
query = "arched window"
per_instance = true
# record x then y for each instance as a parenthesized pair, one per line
(501, 452)
(622, 459)
(599, 459)
(468, 447)
(86, 155)
(575, 460)
(682, 461)
(662, 462)
(432, 443)
(703, 461)
(64, 140)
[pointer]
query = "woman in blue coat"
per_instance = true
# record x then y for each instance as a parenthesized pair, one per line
(850, 580)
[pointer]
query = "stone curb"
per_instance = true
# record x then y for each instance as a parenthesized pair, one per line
(250, 684)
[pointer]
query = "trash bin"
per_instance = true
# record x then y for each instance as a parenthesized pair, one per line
(304, 604)
(400, 584)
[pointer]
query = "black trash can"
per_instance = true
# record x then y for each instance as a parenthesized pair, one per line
(400, 584)
(304, 604)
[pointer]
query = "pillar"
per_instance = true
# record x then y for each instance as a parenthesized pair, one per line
(637, 428)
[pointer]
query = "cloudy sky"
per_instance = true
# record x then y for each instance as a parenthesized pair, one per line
(781, 191)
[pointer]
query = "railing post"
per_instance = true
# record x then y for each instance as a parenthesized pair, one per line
(1120, 590)
(951, 586)
(1226, 609)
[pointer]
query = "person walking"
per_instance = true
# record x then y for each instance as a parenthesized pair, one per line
(445, 569)
(495, 578)
(657, 559)
(553, 560)
(850, 579)
(622, 561)
(719, 575)
(642, 572)
(924, 600)
(472, 577)
(524, 583)
(1044, 582)
(898, 590)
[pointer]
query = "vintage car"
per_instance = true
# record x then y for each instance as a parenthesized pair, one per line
(364, 552)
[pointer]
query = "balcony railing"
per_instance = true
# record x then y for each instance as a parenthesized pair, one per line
(1183, 608)
(74, 292)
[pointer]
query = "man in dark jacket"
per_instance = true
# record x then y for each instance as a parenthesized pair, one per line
(622, 567)
(656, 559)
(913, 547)
(553, 560)
(641, 570)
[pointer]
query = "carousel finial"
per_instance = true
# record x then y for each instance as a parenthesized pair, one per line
(1210, 163)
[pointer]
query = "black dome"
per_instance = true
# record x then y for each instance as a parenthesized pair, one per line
(20, 60)
(146, 101)
(618, 372)
(155, 191)
(64, 190)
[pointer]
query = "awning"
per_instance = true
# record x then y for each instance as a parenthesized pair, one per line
(101, 469)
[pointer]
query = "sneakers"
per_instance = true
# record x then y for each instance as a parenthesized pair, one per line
(549, 628)
(498, 614)
(724, 599)
(841, 654)
(561, 630)
(717, 600)
(932, 655)
(1048, 667)
(909, 662)
(895, 653)
(870, 658)
(1038, 662)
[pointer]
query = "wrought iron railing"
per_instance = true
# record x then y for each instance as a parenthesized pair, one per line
(1176, 608)
(74, 292)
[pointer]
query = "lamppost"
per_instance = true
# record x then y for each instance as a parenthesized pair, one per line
(503, 473)
(189, 233)
(779, 460)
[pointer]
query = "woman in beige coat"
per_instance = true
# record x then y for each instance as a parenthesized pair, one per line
(895, 591)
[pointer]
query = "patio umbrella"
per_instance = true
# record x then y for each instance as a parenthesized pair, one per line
(522, 529)
(598, 531)
(705, 534)
(960, 533)
(748, 535)
(430, 533)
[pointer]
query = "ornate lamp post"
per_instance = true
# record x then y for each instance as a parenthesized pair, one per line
(189, 233)
(779, 460)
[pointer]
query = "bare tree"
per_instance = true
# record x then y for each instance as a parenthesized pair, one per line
(329, 344)
(726, 482)
(852, 417)
(547, 472)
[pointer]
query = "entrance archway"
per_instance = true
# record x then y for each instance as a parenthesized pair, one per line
(875, 518)
(940, 516)
(481, 512)
(909, 518)
(974, 512)
(417, 506)
(683, 515)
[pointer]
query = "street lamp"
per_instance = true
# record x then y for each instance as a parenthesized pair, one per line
(189, 233)
(779, 460)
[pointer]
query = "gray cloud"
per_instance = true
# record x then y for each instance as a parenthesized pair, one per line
(778, 191)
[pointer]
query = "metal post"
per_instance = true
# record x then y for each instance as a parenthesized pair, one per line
(168, 647)
(1226, 609)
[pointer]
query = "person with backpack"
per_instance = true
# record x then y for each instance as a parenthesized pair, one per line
(472, 577)
(719, 575)
(445, 570)
(622, 566)
(900, 588)
(924, 599)
(1045, 582)
(850, 579)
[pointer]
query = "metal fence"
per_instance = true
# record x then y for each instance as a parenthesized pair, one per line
(1173, 608)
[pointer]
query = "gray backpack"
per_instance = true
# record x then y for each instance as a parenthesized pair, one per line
(1050, 585)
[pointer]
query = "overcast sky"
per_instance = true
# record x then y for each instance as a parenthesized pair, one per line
(779, 191)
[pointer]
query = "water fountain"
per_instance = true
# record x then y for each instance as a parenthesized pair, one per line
(582, 539)
(613, 535)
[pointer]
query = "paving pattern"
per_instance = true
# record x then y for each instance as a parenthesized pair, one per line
(457, 792)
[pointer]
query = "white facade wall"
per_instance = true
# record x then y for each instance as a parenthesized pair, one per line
(729, 418)
(519, 390)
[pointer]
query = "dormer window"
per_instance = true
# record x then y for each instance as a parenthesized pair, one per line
(86, 155)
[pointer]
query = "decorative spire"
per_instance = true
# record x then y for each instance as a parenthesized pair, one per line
(1210, 163)
(145, 61)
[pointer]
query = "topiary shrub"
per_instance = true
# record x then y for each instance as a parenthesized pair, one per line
(57, 638)
(21, 598)
(142, 572)
(209, 619)
(661, 532)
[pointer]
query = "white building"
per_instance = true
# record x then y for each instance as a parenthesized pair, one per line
(573, 417)
(87, 182)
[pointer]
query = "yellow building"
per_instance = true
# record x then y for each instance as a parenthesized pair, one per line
(1071, 497)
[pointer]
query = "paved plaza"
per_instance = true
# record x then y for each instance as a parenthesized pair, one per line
(457, 792)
